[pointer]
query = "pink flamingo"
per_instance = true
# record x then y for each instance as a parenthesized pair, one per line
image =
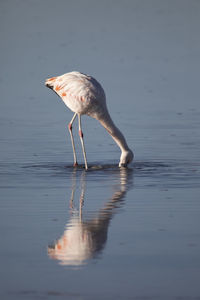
(84, 96)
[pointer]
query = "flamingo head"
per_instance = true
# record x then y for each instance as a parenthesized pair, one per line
(126, 158)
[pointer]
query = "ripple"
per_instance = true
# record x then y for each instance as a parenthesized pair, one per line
(171, 173)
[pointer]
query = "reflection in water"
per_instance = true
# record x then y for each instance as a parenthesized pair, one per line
(84, 239)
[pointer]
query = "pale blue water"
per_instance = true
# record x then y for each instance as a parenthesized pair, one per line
(108, 233)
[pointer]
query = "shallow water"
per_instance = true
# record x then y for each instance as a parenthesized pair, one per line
(105, 233)
(116, 232)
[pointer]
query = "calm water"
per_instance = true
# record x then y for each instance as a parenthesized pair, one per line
(107, 233)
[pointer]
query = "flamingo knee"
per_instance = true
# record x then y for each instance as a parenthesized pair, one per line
(70, 126)
(80, 133)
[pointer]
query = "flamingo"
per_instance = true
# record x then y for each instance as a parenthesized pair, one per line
(84, 95)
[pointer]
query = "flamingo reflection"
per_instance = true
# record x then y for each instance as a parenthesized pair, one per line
(84, 239)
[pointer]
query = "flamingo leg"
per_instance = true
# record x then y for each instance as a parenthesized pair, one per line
(72, 139)
(82, 141)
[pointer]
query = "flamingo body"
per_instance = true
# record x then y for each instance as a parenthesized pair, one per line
(84, 95)
(81, 93)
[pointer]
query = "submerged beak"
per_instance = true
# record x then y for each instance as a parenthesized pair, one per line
(122, 165)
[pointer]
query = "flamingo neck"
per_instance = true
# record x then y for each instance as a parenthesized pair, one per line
(115, 133)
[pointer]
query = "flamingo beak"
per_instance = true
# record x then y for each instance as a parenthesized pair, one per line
(122, 165)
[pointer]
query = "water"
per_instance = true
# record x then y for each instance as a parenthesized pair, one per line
(107, 233)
